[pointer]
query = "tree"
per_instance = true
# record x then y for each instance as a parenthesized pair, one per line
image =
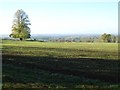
(106, 37)
(109, 38)
(114, 39)
(20, 27)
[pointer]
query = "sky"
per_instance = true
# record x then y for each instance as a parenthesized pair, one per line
(63, 16)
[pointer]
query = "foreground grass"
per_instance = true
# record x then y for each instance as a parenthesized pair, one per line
(59, 65)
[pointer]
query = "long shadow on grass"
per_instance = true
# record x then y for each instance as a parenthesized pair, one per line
(98, 69)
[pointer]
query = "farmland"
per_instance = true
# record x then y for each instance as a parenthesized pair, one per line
(33, 64)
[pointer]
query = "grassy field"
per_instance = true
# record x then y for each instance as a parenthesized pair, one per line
(28, 64)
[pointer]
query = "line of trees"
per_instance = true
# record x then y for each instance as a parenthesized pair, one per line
(107, 38)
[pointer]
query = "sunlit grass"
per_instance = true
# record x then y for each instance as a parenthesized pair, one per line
(64, 50)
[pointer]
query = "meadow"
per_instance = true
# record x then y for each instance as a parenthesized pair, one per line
(33, 64)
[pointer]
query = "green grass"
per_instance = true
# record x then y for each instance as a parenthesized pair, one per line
(64, 50)
(28, 64)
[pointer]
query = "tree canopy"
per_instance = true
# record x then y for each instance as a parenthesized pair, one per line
(108, 38)
(20, 27)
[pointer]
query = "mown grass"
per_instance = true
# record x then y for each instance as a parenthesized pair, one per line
(65, 50)
(29, 64)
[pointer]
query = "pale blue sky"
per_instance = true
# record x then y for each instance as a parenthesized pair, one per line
(63, 17)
